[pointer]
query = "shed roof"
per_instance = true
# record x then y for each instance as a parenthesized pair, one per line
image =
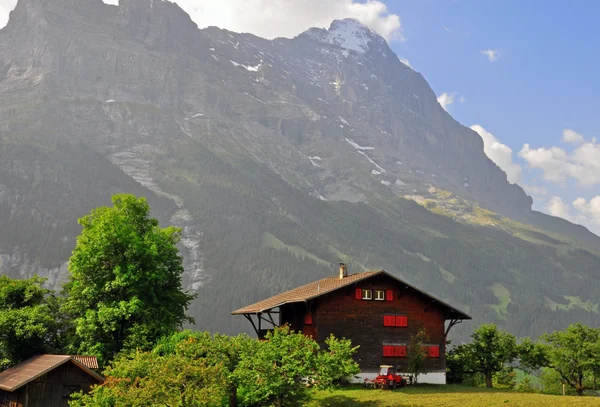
(330, 284)
(19, 375)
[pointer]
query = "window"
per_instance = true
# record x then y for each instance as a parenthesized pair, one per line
(389, 320)
(434, 351)
(377, 295)
(401, 321)
(400, 351)
(395, 320)
(308, 319)
(394, 351)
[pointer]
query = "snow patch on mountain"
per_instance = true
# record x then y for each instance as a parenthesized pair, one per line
(313, 159)
(357, 146)
(351, 34)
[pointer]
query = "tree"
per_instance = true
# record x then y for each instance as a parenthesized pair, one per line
(273, 371)
(335, 363)
(125, 287)
(222, 350)
(417, 354)
(489, 352)
(573, 353)
(28, 320)
(149, 379)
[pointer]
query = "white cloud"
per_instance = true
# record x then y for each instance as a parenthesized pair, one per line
(500, 154)
(556, 207)
(571, 136)
(536, 190)
(590, 211)
(491, 54)
(462, 99)
(5, 8)
(446, 99)
(288, 18)
(558, 165)
(581, 211)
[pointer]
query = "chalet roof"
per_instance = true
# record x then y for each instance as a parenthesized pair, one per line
(19, 375)
(327, 285)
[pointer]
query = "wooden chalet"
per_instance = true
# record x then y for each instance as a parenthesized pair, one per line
(47, 380)
(374, 309)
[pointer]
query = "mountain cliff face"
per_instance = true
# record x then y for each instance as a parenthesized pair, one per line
(276, 158)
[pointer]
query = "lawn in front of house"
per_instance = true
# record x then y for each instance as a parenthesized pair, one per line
(446, 396)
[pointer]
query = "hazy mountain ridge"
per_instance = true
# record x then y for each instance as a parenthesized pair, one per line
(238, 140)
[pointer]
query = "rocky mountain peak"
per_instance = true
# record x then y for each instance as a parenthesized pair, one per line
(42, 13)
(349, 34)
(352, 34)
(157, 23)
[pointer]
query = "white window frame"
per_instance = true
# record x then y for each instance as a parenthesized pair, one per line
(379, 292)
(367, 294)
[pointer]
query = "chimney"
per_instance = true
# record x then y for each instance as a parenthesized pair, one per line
(343, 271)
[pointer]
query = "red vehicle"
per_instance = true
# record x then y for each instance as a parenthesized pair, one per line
(386, 379)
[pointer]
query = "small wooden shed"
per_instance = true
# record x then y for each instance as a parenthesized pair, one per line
(47, 380)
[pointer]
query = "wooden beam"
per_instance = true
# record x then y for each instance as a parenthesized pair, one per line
(271, 318)
(259, 318)
(249, 318)
(454, 321)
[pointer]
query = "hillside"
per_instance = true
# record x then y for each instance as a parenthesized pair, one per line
(277, 158)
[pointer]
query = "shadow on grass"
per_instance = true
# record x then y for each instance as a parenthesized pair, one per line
(343, 401)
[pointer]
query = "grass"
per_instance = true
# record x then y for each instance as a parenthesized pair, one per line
(574, 303)
(447, 396)
(535, 381)
(448, 276)
(503, 296)
(445, 203)
(270, 240)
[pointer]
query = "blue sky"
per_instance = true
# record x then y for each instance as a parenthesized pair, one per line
(544, 81)
(541, 86)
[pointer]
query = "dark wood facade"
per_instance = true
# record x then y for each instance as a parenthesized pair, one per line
(340, 313)
(375, 310)
(52, 389)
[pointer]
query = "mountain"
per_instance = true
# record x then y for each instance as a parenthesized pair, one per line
(277, 159)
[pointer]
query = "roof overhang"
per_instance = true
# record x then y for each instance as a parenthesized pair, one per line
(453, 313)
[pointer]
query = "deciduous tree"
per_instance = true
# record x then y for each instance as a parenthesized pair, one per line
(573, 353)
(489, 352)
(417, 354)
(147, 379)
(125, 288)
(222, 350)
(273, 372)
(28, 319)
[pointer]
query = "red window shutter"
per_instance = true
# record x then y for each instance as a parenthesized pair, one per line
(399, 351)
(358, 293)
(388, 351)
(401, 321)
(434, 351)
(389, 295)
(308, 319)
(388, 320)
